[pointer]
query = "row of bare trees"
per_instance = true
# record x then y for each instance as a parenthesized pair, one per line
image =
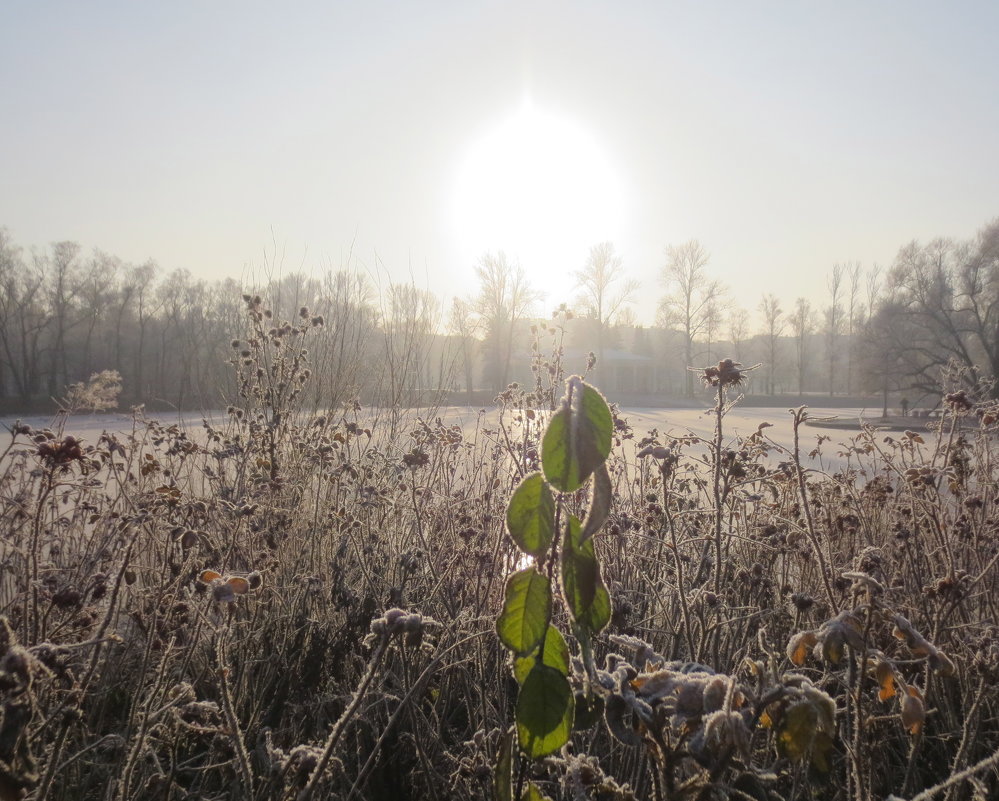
(903, 330)
(696, 306)
(65, 315)
(695, 324)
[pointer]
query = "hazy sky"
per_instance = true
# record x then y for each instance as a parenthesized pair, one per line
(786, 137)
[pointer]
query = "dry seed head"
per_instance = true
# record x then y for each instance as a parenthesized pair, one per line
(726, 373)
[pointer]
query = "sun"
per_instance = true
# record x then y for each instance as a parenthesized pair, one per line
(539, 187)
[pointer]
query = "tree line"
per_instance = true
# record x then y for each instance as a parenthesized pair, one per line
(66, 315)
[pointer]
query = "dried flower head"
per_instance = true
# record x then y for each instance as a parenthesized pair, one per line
(727, 373)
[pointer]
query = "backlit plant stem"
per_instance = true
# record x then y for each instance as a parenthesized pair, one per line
(798, 416)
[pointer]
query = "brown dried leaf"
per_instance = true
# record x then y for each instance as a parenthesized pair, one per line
(799, 645)
(913, 712)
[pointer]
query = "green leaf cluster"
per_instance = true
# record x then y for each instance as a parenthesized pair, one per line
(574, 449)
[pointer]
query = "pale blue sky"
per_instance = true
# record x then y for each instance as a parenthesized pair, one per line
(785, 136)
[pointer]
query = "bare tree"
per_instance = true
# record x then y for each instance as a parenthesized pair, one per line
(141, 295)
(713, 319)
(97, 291)
(773, 327)
(343, 367)
(853, 315)
(802, 325)
(834, 322)
(10, 263)
(409, 324)
(691, 300)
(61, 287)
(597, 299)
(505, 297)
(465, 325)
(873, 290)
(738, 329)
(23, 318)
(942, 305)
(881, 362)
(626, 318)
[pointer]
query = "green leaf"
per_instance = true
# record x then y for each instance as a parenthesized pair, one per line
(544, 712)
(532, 793)
(578, 437)
(589, 711)
(504, 769)
(556, 656)
(526, 610)
(600, 503)
(530, 515)
(556, 454)
(584, 590)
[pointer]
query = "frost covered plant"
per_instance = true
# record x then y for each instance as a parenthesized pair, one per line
(696, 727)
(225, 589)
(98, 394)
(727, 373)
(699, 728)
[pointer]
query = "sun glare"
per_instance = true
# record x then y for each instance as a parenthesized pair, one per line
(540, 188)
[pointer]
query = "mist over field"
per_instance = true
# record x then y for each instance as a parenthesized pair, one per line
(510, 401)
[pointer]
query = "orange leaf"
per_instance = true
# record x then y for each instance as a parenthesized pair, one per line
(209, 576)
(239, 585)
(886, 681)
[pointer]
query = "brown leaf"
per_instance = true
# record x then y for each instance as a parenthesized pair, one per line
(799, 645)
(913, 713)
